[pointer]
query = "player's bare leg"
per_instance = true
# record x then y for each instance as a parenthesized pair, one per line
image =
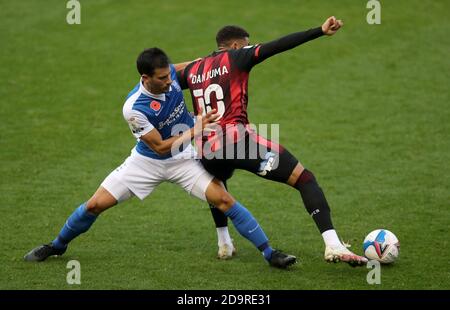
(246, 224)
(100, 201)
(317, 206)
(295, 175)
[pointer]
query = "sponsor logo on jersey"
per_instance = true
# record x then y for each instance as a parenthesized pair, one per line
(175, 115)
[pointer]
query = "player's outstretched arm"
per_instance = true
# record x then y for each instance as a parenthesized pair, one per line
(154, 140)
(329, 27)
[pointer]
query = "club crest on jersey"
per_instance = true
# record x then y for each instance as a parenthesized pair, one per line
(155, 105)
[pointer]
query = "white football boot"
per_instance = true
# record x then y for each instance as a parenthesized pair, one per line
(226, 251)
(340, 253)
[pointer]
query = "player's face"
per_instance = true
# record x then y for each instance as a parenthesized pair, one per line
(159, 82)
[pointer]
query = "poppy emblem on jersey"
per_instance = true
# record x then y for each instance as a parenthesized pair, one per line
(155, 105)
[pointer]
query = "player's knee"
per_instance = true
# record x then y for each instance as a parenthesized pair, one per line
(96, 205)
(296, 175)
(93, 206)
(226, 199)
(217, 195)
(305, 177)
(100, 201)
(222, 200)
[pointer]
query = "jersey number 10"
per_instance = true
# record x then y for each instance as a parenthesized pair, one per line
(203, 99)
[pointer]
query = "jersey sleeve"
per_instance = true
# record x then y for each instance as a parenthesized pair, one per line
(138, 123)
(245, 58)
(248, 56)
(182, 76)
(173, 72)
(288, 42)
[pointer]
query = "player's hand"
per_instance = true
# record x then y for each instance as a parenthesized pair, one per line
(207, 121)
(210, 118)
(331, 25)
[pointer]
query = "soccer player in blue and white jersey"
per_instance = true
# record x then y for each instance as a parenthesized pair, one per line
(158, 117)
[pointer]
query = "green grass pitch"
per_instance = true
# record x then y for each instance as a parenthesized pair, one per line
(368, 110)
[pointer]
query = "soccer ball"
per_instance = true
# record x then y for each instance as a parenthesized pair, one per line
(381, 245)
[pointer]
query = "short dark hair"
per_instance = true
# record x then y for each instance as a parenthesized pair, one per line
(151, 59)
(231, 32)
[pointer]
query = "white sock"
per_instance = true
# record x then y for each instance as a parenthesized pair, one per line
(223, 236)
(330, 238)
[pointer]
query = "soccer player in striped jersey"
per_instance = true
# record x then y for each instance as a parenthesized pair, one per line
(157, 116)
(220, 81)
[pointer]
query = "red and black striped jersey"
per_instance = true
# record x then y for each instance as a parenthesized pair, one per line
(220, 81)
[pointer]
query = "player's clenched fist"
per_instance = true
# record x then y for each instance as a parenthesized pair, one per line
(331, 25)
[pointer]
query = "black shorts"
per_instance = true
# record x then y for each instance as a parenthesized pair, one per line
(253, 153)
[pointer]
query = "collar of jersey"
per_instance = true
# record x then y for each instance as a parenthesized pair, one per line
(143, 90)
(218, 52)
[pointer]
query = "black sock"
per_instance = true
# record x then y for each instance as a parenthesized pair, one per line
(314, 200)
(219, 218)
